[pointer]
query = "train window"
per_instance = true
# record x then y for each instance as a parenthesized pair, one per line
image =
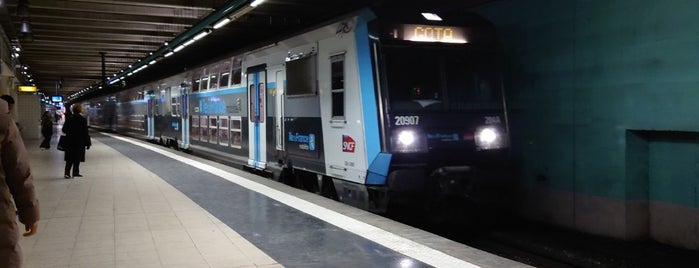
(237, 71)
(223, 131)
(337, 76)
(481, 88)
(236, 132)
(203, 128)
(223, 70)
(195, 86)
(447, 80)
(213, 81)
(175, 105)
(301, 76)
(204, 85)
(223, 79)
(196, 78)
(195, 127)
(213, 129)
(251, 104)
(174, 101)
(261, 100)
(162, 103)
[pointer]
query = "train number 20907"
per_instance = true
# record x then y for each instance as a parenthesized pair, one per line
(407, 120)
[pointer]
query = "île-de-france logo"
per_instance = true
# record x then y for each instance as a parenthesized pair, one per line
(306, 142)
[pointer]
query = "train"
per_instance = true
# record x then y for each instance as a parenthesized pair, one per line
(370, 109)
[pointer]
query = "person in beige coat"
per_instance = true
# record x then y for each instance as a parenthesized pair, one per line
(16, 183)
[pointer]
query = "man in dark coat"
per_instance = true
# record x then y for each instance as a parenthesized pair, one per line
(16, 183)
(78, 137)
(46, 130)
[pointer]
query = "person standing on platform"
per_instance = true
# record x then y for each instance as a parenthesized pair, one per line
(10, 102)
(17, 183)
(46, 130)
(10, 105)
(78, 138)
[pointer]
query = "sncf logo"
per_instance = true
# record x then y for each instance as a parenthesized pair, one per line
(348, 144)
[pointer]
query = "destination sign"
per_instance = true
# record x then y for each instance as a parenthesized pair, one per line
(434, 33)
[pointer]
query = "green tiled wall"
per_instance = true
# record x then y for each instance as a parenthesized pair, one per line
(583, 73)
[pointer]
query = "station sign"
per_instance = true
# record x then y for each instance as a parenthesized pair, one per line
(27, 88)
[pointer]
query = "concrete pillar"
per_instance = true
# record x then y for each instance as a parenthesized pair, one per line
(28, 111)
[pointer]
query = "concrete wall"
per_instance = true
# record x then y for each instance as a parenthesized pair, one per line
(605, 113)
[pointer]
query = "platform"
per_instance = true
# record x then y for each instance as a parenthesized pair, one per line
(143, 205)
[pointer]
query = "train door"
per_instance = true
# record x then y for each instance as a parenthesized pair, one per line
(184, 112)
(171, 113)
(151, 114)
(161, 116)
(279, 109)
(256, 85)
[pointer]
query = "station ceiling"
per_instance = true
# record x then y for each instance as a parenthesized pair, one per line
(64, 50)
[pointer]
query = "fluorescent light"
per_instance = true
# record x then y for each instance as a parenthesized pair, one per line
(221, 23)
(169, 54)
(152, 62)
(189, 42)
(178, 48)
(27, 89)
(256, 3)
(431, 16)
(201, 35)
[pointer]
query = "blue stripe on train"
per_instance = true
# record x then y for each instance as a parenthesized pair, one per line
(378, 163)
(219, 92)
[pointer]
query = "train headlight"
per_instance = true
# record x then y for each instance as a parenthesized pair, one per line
(409, 141)
(487, 136)
(490, 137)
(406, 137)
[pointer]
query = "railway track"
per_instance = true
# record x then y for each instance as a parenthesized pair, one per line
(534, 244)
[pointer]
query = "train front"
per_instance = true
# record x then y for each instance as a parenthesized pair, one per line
(446, 125)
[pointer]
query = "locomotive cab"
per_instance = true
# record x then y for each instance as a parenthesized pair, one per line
(445, 123)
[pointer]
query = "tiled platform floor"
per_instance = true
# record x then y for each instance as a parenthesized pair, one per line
(121, 215)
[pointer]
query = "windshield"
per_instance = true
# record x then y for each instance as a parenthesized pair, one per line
(441, 79)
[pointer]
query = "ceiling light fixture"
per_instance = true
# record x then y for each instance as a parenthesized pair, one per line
(202, 34)
(222, 23)
(431, 16)
(256, 3)
(25, 28)
(189, 42)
